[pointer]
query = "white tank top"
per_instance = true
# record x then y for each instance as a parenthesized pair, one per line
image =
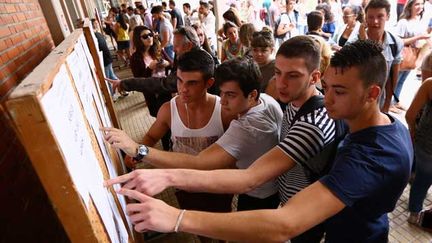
(193, 141)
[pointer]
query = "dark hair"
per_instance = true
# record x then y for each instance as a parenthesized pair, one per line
(141, 7)
(204, 5)
(187, 5)
(130, 8)
(140, 49)
(114, 10)
(171, 2)
(243, 71)
(205, 45)
(407, 11)
(164, 4)
(328, 15)
(302, 47)
(122, 21)
(197, 60)
(315, 20)
(157, 9)
(378, 4)
(228, 25)
(189, 35)
(263, 38)
(230, 15)
(366, 55)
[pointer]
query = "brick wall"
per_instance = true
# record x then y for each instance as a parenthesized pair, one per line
(26, 214)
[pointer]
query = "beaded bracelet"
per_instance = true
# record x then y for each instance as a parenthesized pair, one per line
(179, 219)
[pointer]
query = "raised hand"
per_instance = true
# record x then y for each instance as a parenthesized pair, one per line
(150, 213)
(147, 181)
(120, 140)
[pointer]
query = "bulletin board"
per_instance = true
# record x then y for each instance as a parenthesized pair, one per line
(57, 111)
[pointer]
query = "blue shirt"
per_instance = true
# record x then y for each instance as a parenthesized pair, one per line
(370, 172)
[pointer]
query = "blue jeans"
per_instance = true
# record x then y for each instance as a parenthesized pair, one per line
(109, 73)
(422, 180)
(400, 82)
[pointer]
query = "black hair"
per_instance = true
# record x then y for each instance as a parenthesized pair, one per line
(315, 20)
(164, 4)
(205, 5)
(366, 55)
(122, 21)
(187, 5)
(171, 2)
(302, 47)
(378, 4)
(243, 71)
(130, 8)
(140, 49)
(157, 9)
(197, 60)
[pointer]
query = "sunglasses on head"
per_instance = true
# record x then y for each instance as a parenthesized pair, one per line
(146, 36)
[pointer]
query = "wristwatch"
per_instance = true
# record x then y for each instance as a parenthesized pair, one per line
(142, 151)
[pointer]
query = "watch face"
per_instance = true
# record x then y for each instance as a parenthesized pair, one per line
(142, 150)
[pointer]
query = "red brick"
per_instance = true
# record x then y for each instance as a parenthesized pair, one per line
(10, 8)
(4, 32)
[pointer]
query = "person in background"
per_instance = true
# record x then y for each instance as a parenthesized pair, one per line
(420, 130)
(188, 14)
(176, 17)
(329, 26)
(145, 16)
(134, 20)
(413, 33)
(109, 23)
(146, 62)
(204, 44)
(123, 41)
(399, 8)
(262, 45)
(287, 27)
(165, 31)
(245, 34)
(208, 20)
(352, 18)
(232, 46)
(230, 15)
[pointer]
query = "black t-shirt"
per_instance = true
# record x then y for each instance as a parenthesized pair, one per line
(104, 48)
(175, 13)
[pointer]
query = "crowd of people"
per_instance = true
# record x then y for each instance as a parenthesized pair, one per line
(261, 117)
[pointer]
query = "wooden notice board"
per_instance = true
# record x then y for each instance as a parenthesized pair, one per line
(57, 111)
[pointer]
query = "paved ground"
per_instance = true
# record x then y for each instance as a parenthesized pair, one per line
(135, 120)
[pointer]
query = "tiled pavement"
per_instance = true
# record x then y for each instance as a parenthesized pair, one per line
(135, 120)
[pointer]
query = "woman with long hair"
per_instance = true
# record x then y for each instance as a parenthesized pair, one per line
(121, 29)
(413, 33)
(146, 61)
(204, 41)
(232, 46)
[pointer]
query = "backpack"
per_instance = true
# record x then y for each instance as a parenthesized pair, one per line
(277, 23)
(394, 51)
(317, 169)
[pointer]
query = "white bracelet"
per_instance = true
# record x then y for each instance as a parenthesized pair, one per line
(179, 219)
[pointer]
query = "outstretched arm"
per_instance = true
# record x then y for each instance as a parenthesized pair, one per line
(151, 182)
(306, 209)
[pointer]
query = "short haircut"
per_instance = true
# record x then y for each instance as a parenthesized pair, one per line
(141, 7)
(366, 55)
(130, 8)
(315, 20)
(243, 71)
(263, 38)
(204, 5)
(197, 60)
(189, 35)
(378, 4)
(302, 47)
(157, 9)
(187, 5)
(171, 2)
